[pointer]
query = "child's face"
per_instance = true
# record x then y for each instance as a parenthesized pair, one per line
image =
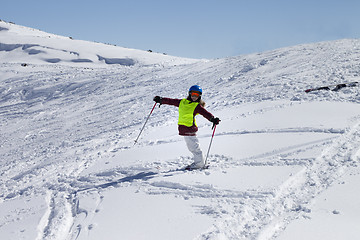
(194, 96)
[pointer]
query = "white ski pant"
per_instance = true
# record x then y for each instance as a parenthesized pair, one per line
(192, 142)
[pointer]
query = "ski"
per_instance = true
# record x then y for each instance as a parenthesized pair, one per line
(334, 87)
(189, 168)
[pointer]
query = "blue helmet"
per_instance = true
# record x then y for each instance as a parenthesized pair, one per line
(195, 88)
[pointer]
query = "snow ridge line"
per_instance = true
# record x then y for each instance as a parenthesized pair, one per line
(202, 191)
(276, 152)
(286, 130)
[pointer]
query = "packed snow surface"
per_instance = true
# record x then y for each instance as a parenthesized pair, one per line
(284, 164)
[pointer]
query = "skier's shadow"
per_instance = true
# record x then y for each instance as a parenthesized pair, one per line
(144, 176)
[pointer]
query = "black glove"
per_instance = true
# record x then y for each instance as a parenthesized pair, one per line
(215, 121)
(157, 99)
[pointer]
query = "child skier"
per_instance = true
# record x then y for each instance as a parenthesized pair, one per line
(188, 108)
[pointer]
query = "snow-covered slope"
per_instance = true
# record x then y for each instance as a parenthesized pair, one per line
(31, 45)
(283, 164)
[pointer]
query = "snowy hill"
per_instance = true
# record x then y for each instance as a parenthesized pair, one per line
(284, 164)
(31, 45)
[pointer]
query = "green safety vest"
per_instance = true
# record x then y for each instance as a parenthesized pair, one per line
(186, 112)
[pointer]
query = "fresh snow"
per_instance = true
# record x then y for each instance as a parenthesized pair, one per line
(284, 164)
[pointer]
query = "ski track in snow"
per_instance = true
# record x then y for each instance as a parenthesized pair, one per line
(246, 213)
(141, 176)
(60, 123)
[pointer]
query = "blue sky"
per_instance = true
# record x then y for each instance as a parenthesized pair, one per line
(195, 29)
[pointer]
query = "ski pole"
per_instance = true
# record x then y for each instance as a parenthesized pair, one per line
(145, 124)
(210, 144)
